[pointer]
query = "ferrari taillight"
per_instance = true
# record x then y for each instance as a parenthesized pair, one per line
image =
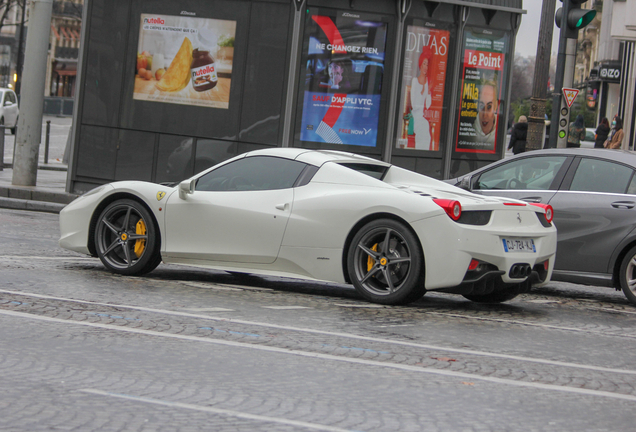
(548, 210)
(452, 207)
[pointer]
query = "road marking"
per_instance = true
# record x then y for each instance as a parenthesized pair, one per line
(222, 287)
(70, 258)
(338, 334)
(285, 307)
(307, 354)
(219, 411)
(212, 309)
(360, 305)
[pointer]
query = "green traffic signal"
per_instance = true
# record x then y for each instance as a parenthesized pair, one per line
(576, 19)
(579, 18)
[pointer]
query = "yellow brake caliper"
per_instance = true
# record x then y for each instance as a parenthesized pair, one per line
(371, 261)
(140, 244)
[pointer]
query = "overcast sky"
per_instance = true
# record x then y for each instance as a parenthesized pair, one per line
(528, 34)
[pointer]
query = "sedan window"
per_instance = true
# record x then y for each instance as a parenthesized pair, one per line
(595, 175)
(252, 173)
(535, 173)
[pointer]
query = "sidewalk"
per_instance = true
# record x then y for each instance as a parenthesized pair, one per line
(48, 195)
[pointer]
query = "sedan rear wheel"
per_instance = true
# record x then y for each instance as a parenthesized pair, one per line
(385, 263)
(628, 275)
(126, 238)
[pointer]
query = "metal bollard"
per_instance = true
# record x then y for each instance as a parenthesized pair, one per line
(1, 148)
(46, 143)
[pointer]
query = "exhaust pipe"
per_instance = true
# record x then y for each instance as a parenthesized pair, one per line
(520, 271)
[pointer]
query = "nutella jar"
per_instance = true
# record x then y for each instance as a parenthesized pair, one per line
(203, 70)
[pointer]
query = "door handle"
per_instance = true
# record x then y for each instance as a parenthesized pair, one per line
(532, 199)
(282, 207)
(623, 204)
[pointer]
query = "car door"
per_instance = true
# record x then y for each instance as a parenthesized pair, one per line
(237, 212)
(532, 178)
(594, 210)
(10, 105)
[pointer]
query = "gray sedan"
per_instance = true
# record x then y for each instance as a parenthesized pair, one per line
(593, 194)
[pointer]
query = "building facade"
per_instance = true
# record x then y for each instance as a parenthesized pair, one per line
(605, 63)
(168, 88)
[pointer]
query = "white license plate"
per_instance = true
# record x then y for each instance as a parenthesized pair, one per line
(519, 245)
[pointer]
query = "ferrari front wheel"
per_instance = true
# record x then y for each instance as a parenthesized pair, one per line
(126, 238)
(385, 263)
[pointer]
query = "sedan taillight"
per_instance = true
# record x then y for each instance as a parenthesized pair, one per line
(452, 207)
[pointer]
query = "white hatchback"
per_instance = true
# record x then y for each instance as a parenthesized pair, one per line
(9, 109)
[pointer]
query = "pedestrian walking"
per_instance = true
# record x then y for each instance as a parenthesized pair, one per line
(616, 139)
(602, 132)
(576, 132)
(519, 135)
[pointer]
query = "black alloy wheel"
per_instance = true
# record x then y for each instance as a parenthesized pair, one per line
(627, 274)
(126, 238)
(385, 263)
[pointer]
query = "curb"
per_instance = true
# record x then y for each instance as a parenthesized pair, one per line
(39, 195)
(45, 167)
(22, 204)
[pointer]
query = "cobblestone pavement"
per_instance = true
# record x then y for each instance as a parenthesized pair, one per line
(185, 349)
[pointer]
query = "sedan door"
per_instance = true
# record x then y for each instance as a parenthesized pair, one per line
(237, 212)
(533, 179)
(593, 212)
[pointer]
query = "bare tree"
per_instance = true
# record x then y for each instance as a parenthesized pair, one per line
(522, 75)
(6, 6)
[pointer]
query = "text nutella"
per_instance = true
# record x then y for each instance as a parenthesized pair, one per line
(203, 71)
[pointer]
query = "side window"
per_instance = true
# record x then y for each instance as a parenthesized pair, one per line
(252, 173)
(536, 173)
(595, 175)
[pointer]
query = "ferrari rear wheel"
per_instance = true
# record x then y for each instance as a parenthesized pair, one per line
(628, 275)
(126, 238)
(385, 263)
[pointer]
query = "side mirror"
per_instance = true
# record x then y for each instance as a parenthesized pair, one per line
(464, 183)
(186, 187)
(7, 103)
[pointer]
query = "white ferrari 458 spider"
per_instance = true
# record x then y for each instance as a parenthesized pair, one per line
(322, 215)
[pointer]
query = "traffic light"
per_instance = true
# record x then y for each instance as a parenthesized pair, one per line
(575, 18)
(569, 95)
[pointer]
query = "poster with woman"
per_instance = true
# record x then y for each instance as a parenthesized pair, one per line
(483, 66)
(344, 58)
(422, 93)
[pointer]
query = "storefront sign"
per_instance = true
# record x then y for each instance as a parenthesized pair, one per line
(483, 67)
(184, 60)
(422, 93)
(610, 73)
(343, 79)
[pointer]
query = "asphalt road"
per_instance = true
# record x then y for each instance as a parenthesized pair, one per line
(184, 349)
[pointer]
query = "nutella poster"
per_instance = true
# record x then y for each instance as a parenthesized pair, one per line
(422, 92)
(343, 79)
(483, 66)
(184, 60)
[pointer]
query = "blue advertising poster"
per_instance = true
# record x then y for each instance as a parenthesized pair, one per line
(343, 81)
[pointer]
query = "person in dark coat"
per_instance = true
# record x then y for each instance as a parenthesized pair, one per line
(519, 136)
(602, 132)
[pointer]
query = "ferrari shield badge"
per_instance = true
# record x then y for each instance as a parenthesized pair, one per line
(160, 195)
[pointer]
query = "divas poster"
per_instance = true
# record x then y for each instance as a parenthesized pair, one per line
(184, 60)
(422, 93)
(483, 65)
(343, 80)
